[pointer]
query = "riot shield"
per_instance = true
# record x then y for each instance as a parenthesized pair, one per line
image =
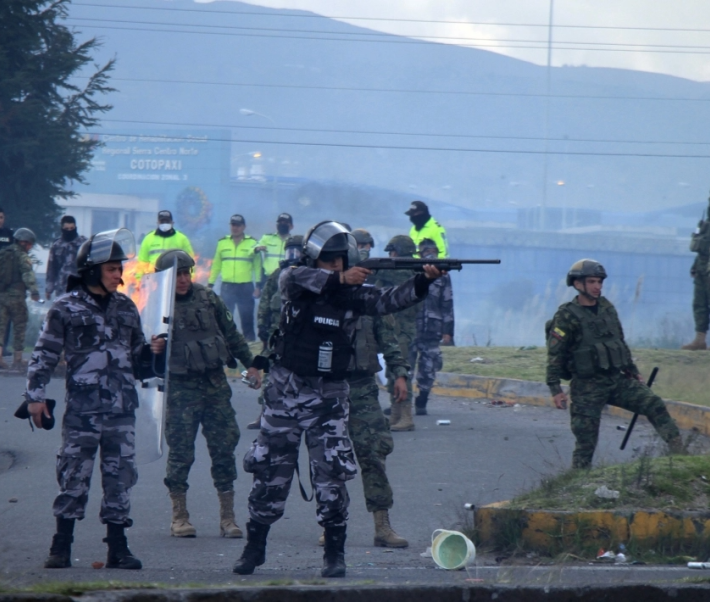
(156, 302)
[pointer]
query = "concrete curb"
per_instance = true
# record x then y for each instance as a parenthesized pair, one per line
(480, 593)
(553, 532)
(687, 415)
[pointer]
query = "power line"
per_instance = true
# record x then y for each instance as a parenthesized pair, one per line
(276, 14)
(429, 148)
(406, 91)
(422, 134)
(542, 43)
(399, 40)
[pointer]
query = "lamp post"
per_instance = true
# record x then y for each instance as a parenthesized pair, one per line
(250, 113)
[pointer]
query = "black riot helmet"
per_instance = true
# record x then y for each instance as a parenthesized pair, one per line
(584, 268)
(327, 240)
(173, 257)
(104, 247)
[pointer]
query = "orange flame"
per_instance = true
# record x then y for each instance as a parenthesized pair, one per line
(134, 269)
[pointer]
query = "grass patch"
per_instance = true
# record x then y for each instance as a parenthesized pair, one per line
(671, 483)
(683, 375)
(68, 588)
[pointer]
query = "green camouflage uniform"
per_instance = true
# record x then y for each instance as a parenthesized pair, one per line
(198, 392)
(368, 428)
(17, 277)
(700, 244)
(405, 324)
(590, 350)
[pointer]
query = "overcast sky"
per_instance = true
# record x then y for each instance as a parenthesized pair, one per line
(628, 41)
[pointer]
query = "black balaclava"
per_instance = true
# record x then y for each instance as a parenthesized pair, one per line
(420, 220)
(69, 235)
(283, 228)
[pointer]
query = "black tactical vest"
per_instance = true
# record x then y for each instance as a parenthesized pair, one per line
(313, 341)
(197, 342)
(365, 359)
(602, 346)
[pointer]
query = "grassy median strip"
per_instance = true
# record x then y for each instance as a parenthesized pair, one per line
(683, 375)
(678, 483)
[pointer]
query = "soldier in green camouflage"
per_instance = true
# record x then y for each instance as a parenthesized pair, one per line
(700, 244)
(204, 339)
(405, 329)
(16, 278)
(585, 343)
(269, 313)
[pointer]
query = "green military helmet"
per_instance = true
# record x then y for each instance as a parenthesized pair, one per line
(585, 268)
(402, 244)
(168, 259)
(294, 241)
(24, 235)
(363, 237)
(293, 250)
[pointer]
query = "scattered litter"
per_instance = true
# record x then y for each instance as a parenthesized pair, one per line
(426, 553)
(468, 506)
(97, 565)
(703, 477)
(620, 558)
(699, 565)
(606, 493)
(610, 557)
(443, 422)
(13, 500)
(388, 551)
(606, 556)
(620, 428)
(527, 348)
(501, 403)
(477, 360)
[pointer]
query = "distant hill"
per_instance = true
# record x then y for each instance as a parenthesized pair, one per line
(498, 96)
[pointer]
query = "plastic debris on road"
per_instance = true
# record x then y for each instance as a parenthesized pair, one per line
(605, 493)
(443, 422)
(477, 360)
(699, 565)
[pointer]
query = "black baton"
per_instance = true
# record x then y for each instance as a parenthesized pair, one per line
(633, 420)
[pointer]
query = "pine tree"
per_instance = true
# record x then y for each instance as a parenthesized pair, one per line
(44, 111)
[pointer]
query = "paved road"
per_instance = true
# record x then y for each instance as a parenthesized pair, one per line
(487, 454)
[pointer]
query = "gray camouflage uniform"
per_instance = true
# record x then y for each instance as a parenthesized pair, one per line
(315, 405)
(103, 350)
(61, 264)
(435, 318)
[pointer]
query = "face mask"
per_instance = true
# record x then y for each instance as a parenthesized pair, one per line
(419, 220)
(69, 235)
(165, 227)
(283, 229)
(364, 254)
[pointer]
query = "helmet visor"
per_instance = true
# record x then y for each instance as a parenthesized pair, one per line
(112, 245)
(320, 235)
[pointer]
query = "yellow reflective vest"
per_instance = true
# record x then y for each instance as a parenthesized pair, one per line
(434, 231)
(153, 245)
(275, 251)
(236, 263)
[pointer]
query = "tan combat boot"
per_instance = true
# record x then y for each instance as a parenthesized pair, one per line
(181, 527)
(3, 365)
(395, 413)
(385, 536)
(227, 526)
(698, 344)
(405, 423)
(17, 363)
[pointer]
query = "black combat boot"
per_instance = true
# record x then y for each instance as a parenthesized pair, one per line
(254, 553)
(420, 403)
(60, 552)
(119, 556)
(334, 554)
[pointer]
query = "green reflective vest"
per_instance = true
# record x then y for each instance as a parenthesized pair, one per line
(275, 251)
(434, 231)
(236, 263)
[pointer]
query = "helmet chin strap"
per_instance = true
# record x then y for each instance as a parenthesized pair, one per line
(584, 292)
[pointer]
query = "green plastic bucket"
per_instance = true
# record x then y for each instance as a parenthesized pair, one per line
(451, 550)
